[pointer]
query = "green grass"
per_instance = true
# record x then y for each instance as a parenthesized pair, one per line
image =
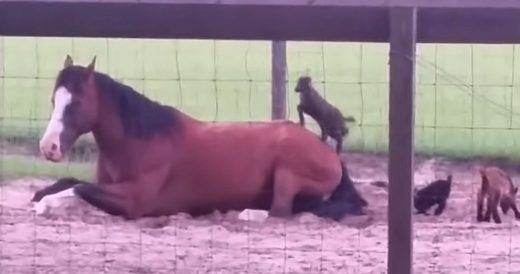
(230, 80)
(16, 166)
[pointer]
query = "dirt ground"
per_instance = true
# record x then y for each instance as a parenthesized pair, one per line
(79, 239)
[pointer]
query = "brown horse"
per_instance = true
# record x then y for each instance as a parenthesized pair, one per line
(155, 160)
(496, 188)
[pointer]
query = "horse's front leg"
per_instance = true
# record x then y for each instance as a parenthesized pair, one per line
(118, 199)
(129, 199)
(68, 182)
(59, 186)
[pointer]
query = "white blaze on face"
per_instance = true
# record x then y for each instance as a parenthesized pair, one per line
(50, 142)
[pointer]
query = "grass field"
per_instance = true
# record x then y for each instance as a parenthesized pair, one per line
(464, 95)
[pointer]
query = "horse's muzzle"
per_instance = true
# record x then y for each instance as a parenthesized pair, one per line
(51, 151)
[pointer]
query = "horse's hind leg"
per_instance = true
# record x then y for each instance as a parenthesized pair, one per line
(59, 186)
(284, 192)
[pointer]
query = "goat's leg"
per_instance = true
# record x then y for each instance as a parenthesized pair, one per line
(440, 208)
(480, 206)
(300, 115)
(515, 210)
(493, 208)
(324, 136)
(339, 145)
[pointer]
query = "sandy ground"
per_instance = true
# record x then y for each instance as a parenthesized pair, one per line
(79, 239)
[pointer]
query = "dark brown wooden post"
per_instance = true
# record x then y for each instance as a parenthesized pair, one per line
(403, 25)
(2, 112)
(279, 72)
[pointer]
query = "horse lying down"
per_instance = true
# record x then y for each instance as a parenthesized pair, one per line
(346, 199)
(155, 160)
(496, 188)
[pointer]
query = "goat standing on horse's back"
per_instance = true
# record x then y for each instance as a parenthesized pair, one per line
(329, 118)
(436, 193)
(496, 188)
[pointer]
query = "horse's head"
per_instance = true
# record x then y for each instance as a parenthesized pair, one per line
(304, 83)
(74, 111)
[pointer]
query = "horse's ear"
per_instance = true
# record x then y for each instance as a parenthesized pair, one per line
(68, 62)
(91, 66)
(515, 190)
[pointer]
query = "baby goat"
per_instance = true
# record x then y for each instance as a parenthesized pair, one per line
(496, 188)
(329, 118)
(436, 193)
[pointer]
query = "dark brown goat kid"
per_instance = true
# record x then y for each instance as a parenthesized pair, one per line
(496, 188)
(436, 193)
(329, 118)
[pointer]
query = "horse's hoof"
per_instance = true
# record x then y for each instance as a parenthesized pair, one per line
(253, 215)
(40, 207)
(37, 196)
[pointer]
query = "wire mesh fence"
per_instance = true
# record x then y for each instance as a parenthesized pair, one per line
(466, 106)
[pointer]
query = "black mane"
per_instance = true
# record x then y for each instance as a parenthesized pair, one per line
(140, 116)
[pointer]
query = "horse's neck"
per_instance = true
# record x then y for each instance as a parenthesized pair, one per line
(109, 132)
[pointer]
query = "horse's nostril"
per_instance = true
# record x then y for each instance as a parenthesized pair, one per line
(54, 147)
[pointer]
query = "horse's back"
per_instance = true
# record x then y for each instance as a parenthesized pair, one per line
(281, 137)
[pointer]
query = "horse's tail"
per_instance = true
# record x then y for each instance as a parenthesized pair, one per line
(345, 199)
